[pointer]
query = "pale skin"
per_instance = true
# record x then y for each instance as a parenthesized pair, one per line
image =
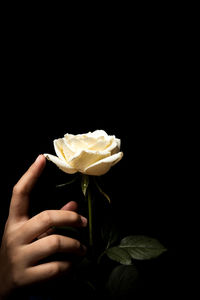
(26, 241)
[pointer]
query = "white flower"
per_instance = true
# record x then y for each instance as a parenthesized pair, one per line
(92, 153)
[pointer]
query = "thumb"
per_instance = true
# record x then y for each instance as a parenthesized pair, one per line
(21, 191)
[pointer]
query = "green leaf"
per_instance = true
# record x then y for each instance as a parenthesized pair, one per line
(67, 183)
(142, 247)
(90, 284)
(120, 255)
(101, 191)
(122, 282)
(84, 183)
(110, 233)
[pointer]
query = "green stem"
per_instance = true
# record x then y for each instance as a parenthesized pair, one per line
(100, 256)
(90, 217)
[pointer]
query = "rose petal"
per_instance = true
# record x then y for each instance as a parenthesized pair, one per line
(89, 140)
(60, 164)
(98, 133)
(85, 158)
(97, 140)
(76, 143)
(79, 141)
(118, 141)
(68, 136)
(100, 144)
(62, 150)
(103, 166)
(58, 148)
(114, 147)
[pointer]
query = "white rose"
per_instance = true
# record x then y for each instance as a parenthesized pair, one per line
(93, 153)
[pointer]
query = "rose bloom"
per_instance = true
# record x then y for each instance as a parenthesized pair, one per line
(92, 153)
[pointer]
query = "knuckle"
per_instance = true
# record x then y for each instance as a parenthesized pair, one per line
(19, 190)
(56, 268)
(16, 272)
(10, 242)
(75, 218)
(76, 245)
(16, 190)
(46, 218)
(17, 278)
(54, 243)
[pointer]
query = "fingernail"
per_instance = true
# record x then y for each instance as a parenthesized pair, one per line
(83, 248)
(38, 158)
(84, 221)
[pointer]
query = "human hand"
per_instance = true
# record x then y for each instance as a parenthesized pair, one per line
(22, 250)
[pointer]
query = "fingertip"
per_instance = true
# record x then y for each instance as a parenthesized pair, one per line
(43, 158)
(84, 221)
(39, 163)
(40, 159)
(72, 206)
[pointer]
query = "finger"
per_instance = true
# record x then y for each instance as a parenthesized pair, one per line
(53, 244)
(40, 223)
(72, 206)
(47, 271)
(21, 191)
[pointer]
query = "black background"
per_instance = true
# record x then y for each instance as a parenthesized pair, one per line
(125, 76)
